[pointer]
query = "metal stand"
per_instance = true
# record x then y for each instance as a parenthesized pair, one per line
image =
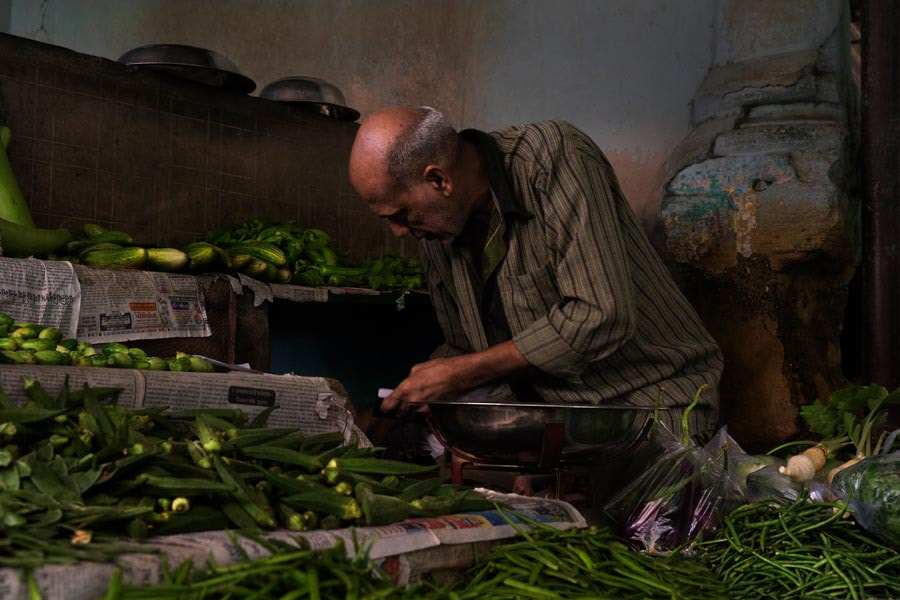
(548, 475)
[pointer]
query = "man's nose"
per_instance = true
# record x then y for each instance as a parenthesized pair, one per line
(399, 230)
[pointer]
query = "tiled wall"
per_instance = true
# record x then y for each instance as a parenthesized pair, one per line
(165, 159)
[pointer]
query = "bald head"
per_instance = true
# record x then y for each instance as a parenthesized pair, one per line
(394, 146)
(413, 170)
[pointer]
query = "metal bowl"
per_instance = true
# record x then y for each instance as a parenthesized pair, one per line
(310, 93)
(189, 62)
(520, 434)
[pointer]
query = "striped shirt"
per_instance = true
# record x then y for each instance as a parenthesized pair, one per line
(586, 298)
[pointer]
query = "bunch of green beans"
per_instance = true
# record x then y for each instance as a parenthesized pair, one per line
(587, 564)
(800, 550)
(290, 574)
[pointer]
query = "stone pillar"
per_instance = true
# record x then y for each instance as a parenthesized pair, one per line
(760, 211)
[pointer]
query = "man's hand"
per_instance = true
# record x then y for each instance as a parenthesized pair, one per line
(427, 382)
(446, 378)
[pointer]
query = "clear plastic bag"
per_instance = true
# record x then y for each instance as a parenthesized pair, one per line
(767, 484)
(680, 494)
(872, 487)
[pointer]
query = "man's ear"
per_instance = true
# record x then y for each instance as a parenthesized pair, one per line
(438, 179)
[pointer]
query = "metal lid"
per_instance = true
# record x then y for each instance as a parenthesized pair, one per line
(312, 93)
(189, 62)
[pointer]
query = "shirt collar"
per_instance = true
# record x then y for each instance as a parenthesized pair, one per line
(492, 159)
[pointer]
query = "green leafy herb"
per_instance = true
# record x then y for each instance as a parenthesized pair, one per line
(857, 413)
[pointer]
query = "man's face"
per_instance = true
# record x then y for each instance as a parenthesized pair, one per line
(421, 211)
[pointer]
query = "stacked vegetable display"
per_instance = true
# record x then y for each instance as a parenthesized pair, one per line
(78, 472)
(310, 257)
(271, 251)
(23, 343)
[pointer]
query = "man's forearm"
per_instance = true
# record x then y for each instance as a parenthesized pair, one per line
(496, 363)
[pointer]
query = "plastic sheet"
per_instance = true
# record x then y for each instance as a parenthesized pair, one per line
(680, 494)
(872, 487)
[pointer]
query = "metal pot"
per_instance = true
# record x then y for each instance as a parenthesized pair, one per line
(311, 93)
(189, 62)
(518, 434)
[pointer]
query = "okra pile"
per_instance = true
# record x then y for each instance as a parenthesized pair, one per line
(23, 343)
(77, 471)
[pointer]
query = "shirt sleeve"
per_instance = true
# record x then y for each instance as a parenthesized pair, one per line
(596, 312)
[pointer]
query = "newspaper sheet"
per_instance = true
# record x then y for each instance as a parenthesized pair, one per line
(305, 403)
(41, 292)
(262, 292)
(406, 550)
(121, 304)
(299, 293)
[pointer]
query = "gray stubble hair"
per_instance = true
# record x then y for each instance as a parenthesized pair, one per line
(429, 140)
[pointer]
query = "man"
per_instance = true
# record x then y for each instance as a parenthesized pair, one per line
(544, 283)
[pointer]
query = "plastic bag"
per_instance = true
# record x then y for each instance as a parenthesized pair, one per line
(767, 484)
(872, 487)
(680, 494)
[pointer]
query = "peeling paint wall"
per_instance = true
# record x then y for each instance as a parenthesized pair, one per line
(761, 211)
(623, 71)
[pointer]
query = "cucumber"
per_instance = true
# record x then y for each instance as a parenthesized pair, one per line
(112, 237)
(51, 357)
(179, 364)
(283, 275)
(24, 333)
(157, 364)
(37, 344)
(119, 360)
(261, 250)
(115, 348)
(270, 273)
(122, 258)
(201, 256)
(69, 344)
(166, 259)
(137, 353)
(50, 333)
(18, 357)
(200, 365)
(239, 261)
(92, 229)
(89, 246)
(256, 268)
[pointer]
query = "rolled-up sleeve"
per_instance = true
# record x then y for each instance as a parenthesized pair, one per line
(595, 314)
